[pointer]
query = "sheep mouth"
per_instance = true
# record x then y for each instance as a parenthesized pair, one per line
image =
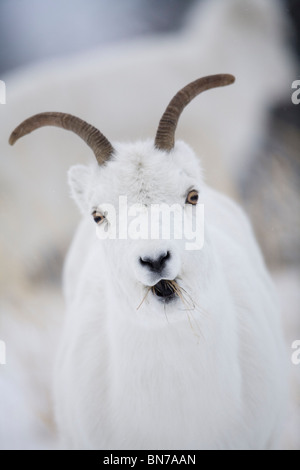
(169, 291)
(165, 290)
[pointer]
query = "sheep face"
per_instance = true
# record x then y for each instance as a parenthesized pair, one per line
(155, 257)
(145, 252)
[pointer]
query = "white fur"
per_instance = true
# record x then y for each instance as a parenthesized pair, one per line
(162, 376)
(223, 128)
(123, 90)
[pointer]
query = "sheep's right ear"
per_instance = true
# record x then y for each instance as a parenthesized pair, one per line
(79, 177)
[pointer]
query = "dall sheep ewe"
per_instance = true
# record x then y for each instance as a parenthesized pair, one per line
(163, 347)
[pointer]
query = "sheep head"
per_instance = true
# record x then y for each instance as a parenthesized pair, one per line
(143, 174)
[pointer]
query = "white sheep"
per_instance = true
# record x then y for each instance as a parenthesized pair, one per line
(163, 347)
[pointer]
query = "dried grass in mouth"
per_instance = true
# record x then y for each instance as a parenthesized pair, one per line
(187, 301)
(178, 291)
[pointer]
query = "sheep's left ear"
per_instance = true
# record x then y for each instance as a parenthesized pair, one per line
(79, 177)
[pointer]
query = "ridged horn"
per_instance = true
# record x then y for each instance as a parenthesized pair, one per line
(165, 136)
(101, 147)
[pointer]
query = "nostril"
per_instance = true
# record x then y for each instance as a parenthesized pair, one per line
(163, 259)
(157, 264)
(145, 261)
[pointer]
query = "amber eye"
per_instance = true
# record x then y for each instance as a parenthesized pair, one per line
(192, 197)
(98, 217)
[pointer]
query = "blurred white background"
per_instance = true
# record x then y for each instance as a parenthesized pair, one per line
(117, 64)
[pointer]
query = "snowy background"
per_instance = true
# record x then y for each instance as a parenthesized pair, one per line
(116, 64)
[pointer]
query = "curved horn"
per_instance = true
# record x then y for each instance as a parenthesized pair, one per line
(101, 147)
(165, 135)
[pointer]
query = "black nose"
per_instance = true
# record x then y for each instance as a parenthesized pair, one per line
(156, 265)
